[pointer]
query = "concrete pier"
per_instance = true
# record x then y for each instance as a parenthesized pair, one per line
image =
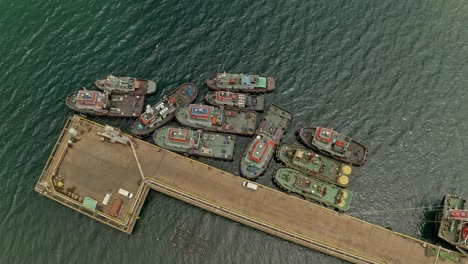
(87, 166)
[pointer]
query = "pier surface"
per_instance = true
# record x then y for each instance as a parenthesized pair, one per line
(87, 166)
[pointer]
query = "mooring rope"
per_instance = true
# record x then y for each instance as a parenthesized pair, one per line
(398, 210)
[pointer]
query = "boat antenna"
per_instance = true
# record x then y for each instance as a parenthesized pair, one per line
(84, 88)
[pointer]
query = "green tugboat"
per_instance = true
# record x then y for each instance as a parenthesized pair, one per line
(333, 144)
(218, 119)
(454, 222)
(327, 194)
(127, 85)
(163, 111)
(244, 83)
(196, 142)
(238, 100)
(105, 104)
(314, 165)
(262, 147)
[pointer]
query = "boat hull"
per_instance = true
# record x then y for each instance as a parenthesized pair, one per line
(196, 143)
(314, 165)
(453, 221)
(329, 195)
(256, 103)
(141, 130)
(131, 106)
(181, 96)
(234, 121)
(262, 147)
(271, 85)
(148, 87)
(253, 170)
(358, 152)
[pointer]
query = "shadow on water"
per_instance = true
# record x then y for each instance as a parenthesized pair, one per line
(431, 224)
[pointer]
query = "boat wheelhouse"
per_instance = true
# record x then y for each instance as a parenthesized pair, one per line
(92, 100)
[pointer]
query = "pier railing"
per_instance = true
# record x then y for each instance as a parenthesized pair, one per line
(52, 157)
(46, 186)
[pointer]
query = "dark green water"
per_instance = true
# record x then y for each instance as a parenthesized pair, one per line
(391, 74)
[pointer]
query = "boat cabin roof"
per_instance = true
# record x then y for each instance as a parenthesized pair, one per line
(259, 149)
(324, 135)
(179, 135)
(225, 96)
(200, 112)
(85, 97)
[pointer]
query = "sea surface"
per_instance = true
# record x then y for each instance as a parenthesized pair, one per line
(391, 74)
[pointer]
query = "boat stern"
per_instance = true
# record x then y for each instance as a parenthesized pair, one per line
(306, 134)
(249, 172)
(210, 83)
(343, 200)
(260, 103)
(152, 87)
(271, 84)
(70, 101)
(181, 115)
(210, 98)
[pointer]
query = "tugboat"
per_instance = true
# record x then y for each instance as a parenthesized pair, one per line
(334, 145)
(239, 100)
(327, 194)
(262, 147)
(105, 104)
(218, 119)
(196, 142)
(454, 222)
(127, 85)
(164, 110)
(314, 165)
(245, 83)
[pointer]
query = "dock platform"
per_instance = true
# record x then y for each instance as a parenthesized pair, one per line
(85, 167)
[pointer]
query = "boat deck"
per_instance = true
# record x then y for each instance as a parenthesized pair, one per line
(120, 105)
(217, 191)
